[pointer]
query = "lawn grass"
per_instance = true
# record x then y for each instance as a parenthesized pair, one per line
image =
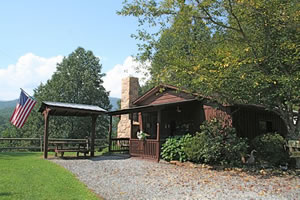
(28, 176)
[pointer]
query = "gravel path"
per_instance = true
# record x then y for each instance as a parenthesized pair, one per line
(119, 177)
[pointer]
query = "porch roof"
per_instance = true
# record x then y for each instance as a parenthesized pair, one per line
(147, 108)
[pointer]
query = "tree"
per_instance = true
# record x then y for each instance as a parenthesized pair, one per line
(247, 51)
(78, 79)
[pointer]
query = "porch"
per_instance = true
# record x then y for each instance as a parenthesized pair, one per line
(159, 121)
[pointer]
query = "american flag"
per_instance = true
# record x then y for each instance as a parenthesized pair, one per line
(22, 110)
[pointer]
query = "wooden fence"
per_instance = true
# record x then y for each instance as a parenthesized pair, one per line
(36, 144)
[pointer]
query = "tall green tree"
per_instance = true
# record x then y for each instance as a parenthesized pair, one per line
(235, 51)
(78, 79)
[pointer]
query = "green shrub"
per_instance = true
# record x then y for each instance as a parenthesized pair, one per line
(172, 149)
(216, 143)
(202, 149)
(270, 148)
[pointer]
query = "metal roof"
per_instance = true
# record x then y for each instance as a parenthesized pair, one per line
(71, 109)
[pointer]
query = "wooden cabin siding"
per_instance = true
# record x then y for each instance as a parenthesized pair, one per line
(246, 121)
(168, 96)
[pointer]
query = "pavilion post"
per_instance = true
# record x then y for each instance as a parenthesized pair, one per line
(46, 132)
(94, 118)
(109, 133)
(158, 134)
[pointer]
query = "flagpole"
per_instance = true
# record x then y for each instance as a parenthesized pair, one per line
(26, 93)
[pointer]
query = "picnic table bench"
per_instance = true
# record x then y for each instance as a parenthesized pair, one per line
(71, 146)
(294, 149)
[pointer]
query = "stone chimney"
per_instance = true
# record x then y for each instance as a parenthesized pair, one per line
(130, 92)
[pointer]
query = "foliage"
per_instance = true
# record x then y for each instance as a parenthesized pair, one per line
(216, 143)
(172, 149)
(142, 135)
(27, 176)
(233, 51)
(5, 114)
(146, 87)
(78, 79)
(270, 148)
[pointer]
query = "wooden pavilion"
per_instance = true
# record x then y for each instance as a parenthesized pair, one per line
(70, 109)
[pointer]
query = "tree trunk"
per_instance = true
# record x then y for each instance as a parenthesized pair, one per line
(292, 123)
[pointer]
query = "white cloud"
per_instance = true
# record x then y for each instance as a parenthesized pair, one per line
(130, 67)
(29, 71)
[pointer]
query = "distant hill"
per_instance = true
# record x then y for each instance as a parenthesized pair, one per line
(114, 103)
(8, 104)
(6, 110)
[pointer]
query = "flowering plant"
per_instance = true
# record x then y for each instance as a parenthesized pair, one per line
(142, 135)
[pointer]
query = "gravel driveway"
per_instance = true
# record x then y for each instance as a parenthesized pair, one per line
(119, 177)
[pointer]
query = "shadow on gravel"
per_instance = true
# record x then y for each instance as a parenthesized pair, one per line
(258, 172)
(111, 157)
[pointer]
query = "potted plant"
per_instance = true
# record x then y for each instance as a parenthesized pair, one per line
(142, 135)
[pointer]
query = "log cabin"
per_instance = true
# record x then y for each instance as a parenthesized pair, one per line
(166, 111)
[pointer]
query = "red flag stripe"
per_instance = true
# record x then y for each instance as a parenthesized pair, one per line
(22, 110)
(13, 117)
(19, 113)
(25, 110)
(25, 115)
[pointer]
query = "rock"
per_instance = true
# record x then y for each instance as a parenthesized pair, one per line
(176, 162)
(263, 172)
(190, 164)
(173, 162)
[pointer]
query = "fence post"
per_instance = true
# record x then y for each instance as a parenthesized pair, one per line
(41, 143)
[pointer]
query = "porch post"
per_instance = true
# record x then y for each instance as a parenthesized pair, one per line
(131, 125)
(46, 132)
(131, 132)
(109, 133)
(94, 118)
(141, 122)
(158, 134)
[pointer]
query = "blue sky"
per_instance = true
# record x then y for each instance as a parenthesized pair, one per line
(36, 34)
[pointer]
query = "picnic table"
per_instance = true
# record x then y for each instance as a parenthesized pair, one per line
(70, 146)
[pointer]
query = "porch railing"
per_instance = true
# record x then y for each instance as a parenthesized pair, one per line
(119, 145)
(144, 148)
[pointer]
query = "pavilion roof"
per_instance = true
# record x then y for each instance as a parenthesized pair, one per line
(71, 109)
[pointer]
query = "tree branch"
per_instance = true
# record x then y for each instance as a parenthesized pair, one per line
(241, 29)
(210, 18)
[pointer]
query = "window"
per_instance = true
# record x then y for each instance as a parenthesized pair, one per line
(265, 126)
